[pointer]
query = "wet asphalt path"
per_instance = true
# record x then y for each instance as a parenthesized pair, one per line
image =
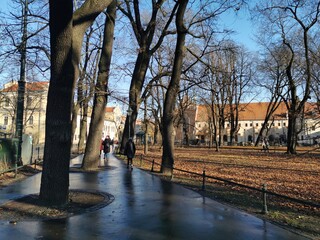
(144, 207)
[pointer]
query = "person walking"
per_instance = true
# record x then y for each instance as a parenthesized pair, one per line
(106, 146)
(130, 151)
(265, 145)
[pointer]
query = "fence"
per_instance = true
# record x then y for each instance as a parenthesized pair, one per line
(262, 190)
(7, 159)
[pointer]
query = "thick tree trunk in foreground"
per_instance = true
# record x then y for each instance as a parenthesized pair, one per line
(66, 36)
(172, 93)
(91, 156)
(55, 177)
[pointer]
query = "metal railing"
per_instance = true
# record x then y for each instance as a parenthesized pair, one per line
(262, 190)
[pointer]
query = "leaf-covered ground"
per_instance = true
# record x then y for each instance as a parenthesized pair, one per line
(295, 176)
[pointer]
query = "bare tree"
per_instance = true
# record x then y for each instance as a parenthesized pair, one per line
(91, 157)
(87, 80)
(66, 35)
(172, 92)
(37, 41)
(55, 176)
(272, 74)
(294, 22)
(144, 34)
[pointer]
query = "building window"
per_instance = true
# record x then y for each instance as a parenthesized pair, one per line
(7, 102)
(257, 124)
(29, 101)
(279, 124)
(228, 124)
(250, 124)
(239, 124)
(6, 120)
(284, 124)
(246, 124)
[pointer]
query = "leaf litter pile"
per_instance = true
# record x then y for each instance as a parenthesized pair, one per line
(293, 176)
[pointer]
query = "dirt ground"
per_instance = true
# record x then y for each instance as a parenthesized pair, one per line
(31, 208)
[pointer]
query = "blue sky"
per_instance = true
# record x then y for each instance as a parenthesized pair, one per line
(3, 4)
(239, 23)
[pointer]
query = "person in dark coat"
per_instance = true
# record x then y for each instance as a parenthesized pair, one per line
(106, 146)
(130, 151)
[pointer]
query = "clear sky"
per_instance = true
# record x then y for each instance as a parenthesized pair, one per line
(241, 24)
(238, 23)
(3, 5)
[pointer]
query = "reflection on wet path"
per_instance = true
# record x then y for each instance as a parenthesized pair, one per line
(144, 208)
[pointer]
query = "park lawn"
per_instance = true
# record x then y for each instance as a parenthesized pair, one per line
(295, 176)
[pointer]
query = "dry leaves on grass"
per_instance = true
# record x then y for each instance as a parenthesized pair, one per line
(294, 176)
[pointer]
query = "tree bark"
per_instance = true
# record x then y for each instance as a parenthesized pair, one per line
(65, 43)
(55, 177)
(172, 92)
(144, 38)
(83, 17)
(83, 127)
(136, 85)
(91, 156)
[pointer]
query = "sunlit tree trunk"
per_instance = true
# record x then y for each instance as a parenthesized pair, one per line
(91, 156)
(172, 93)
(65, 43)
(83, 127)
(147, 47)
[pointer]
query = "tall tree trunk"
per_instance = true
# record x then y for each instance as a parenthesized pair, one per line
(172, 93)
(65, 43)
(185, 127)
(81, 96)
(55, 177)
(292, 134)
(146, 122)
(144, 36)
(137, 82)
(74, 116)
(83, 18)
(83, 127)
(91, 156)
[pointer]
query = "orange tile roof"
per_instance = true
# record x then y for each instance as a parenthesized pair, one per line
(254, 111)
(202, 113)
(110, 109)
(257, 111)
(30, 86)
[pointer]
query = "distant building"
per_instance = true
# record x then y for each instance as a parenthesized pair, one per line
(251, 118)
(113, 124)
(36, 94)
(35, 103)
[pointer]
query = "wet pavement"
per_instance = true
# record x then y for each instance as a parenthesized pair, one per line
(144, 207)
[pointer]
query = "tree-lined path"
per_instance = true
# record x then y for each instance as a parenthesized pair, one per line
(144, 207)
